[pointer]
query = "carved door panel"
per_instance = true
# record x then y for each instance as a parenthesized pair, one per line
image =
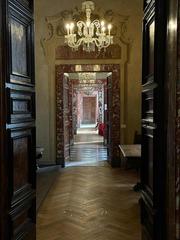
(89, 110)
(153, 163)
(18, 166)
(74, 110)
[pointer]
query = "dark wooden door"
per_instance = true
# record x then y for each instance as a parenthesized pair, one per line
(17, 163)
(153, 170)
(89, 110)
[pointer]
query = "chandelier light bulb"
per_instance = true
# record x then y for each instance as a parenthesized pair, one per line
(71, 28)
(109, 29)
(91, 35)
(103, 29)
(109, 26)
(102, 23)
(67, 27)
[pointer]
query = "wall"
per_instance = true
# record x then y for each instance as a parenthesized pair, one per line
(130, 81)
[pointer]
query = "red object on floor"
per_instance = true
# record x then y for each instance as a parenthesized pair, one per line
(101, 129)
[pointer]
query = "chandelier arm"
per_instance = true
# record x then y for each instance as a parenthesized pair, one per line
(105, 43)
(97, 42)
(109, 42)
(82, 28)
(81, 23)
(76, 44)
(96, 23)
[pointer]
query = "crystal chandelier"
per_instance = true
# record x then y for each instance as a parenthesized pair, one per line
(90, 34)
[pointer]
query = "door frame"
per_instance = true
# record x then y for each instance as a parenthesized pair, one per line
(115, 106)
(3, 169)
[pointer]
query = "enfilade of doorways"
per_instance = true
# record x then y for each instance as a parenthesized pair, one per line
(90, 139)
(89, 110)
(87, 163)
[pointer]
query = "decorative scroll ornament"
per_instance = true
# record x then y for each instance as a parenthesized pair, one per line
(90, 34)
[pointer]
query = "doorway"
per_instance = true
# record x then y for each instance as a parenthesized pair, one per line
(87, 145)
(71, 80)
(89, 110)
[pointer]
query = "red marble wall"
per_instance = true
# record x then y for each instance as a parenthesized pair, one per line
(59, 118)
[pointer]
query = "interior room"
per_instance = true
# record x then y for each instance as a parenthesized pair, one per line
(89, 120)
(98, 93)
(88, 124)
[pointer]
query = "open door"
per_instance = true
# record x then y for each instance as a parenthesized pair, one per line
(67, 118)
(105, 113)
(107, 116)
(153, 172)
(18, 146)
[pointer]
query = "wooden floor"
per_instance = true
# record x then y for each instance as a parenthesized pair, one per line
(88, 149)
(90, 203)
(88, 155)
(87, 135)
(45, 177)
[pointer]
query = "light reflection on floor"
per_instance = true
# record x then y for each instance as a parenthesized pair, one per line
(88, 149)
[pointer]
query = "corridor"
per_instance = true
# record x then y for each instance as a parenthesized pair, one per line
(88, 148)
(89, 116)
(90, 203)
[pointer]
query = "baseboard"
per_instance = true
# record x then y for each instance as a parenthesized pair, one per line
(41, 165)
(61, 162)
(45, 169)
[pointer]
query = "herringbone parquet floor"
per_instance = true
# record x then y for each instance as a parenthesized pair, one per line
(90, 203)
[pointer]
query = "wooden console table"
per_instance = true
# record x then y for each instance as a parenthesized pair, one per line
(130, 153)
